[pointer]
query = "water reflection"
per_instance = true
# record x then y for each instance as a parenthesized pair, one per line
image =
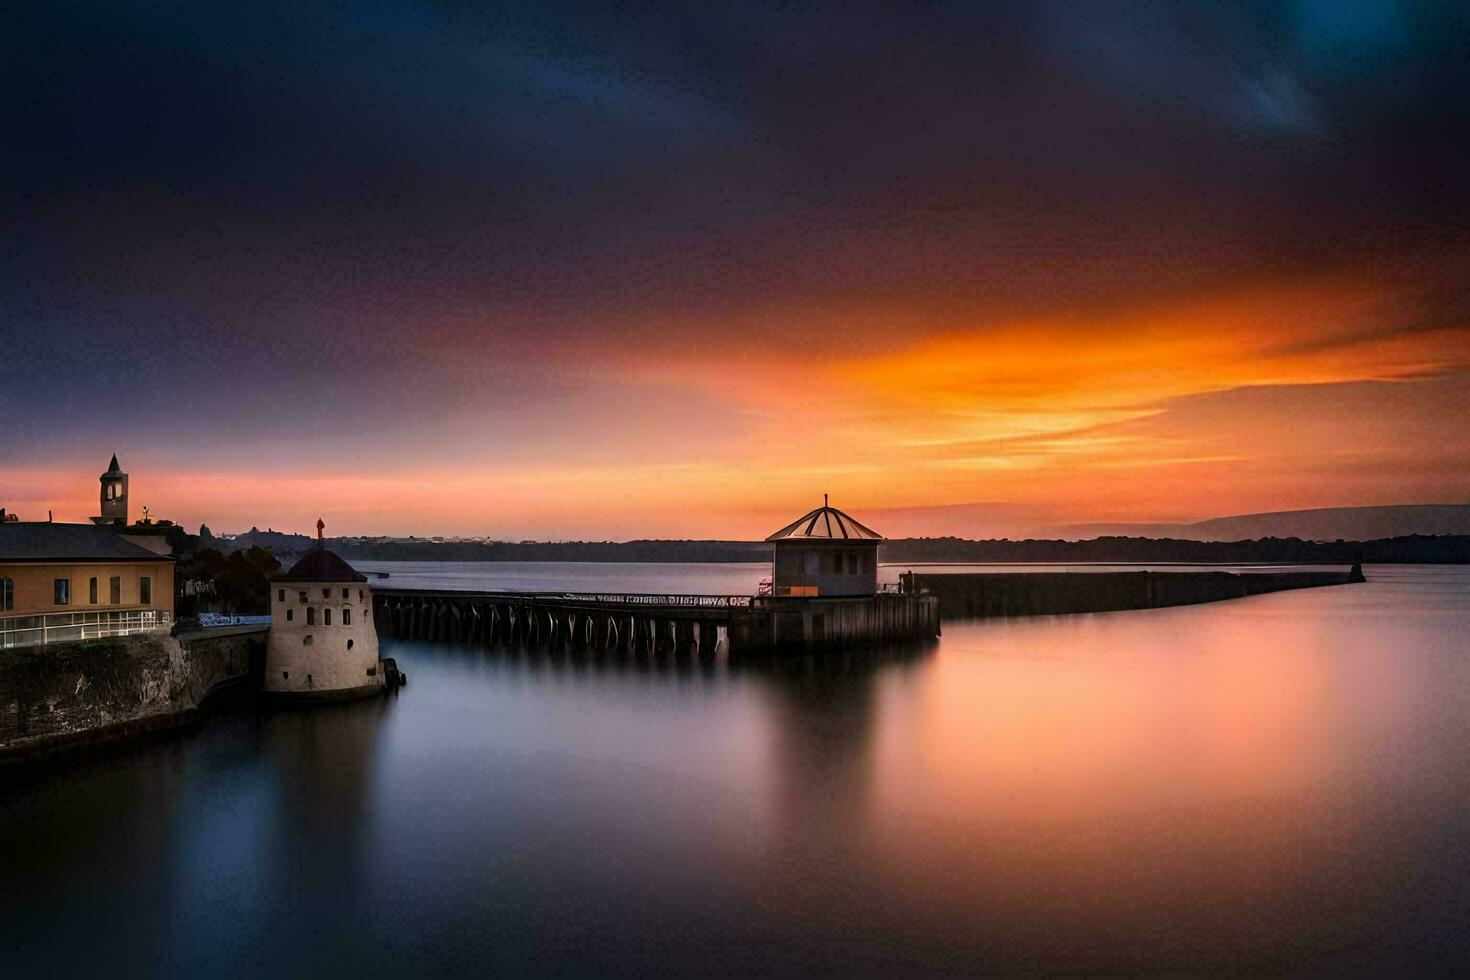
(1276, 783)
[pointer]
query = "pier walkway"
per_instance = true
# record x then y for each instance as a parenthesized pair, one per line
(653, 623)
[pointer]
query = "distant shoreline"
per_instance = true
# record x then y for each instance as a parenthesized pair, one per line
(1410, 549)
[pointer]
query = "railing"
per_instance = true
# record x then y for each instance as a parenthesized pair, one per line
(591, 598)
(21, 631)
(645, 599)
(209, 620)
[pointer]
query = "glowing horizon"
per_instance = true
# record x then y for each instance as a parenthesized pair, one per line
(571, 278)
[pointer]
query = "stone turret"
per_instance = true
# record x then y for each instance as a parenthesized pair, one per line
(322, 641)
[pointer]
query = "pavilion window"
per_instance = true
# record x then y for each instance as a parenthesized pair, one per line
(7, 594)
(114, 589)
(868, 563)
(61, 591)
(92, 590)
(852, 563)
(311, 615)
(145, 591)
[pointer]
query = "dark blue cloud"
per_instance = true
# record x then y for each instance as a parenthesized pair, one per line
(186, 186)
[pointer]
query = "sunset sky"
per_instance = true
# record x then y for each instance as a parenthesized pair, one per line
(558, 271)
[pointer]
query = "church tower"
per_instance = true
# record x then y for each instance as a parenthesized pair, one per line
(114, 495)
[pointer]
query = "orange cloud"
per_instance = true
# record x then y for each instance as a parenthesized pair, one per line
(1136, 414)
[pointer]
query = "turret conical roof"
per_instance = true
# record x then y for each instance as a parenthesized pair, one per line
(829, 523)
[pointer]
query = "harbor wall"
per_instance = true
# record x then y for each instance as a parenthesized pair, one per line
(972, 594)
(63, 696)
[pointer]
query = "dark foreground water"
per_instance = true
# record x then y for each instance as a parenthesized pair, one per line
(1281, 782)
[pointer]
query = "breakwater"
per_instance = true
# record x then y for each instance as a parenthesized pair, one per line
(1046, 593)
(63, 696)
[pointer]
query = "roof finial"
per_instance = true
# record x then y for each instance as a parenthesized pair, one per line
(320, 526)
(824, 500)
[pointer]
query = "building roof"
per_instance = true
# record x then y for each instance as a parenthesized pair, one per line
(321, 565)
(113, 467)
(827, 523)
(43, 541)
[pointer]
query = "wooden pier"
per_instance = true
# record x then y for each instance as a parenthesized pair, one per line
(683, 625)
(655, 624)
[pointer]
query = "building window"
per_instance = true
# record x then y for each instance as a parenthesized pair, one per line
(327, 616)
(145, 591)
(7, 594)
(114, 590)
(310, 616)
(92, 590)
(326, 593)
(306, 642)
(836, 563)
(347, 617)
(61, 591)
(290, 614)
(280, 595)
(349, 644)
(301, 596)
(359, 595)
(345, 593)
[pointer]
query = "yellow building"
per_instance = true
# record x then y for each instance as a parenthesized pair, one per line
(77, 581)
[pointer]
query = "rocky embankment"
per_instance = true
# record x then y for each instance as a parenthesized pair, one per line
(64, 696)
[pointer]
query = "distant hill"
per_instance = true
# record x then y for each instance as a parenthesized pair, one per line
(1324, 524)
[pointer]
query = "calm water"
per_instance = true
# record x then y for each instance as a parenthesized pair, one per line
(1281, 782)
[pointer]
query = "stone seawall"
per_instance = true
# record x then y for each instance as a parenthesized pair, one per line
(1047, 593)
(65, 696)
